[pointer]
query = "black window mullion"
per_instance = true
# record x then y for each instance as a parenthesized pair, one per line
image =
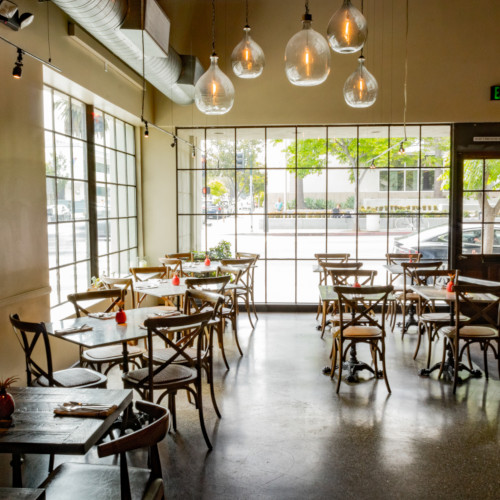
(91, 174)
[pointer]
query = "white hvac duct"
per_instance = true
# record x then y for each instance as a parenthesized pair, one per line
(103, 18)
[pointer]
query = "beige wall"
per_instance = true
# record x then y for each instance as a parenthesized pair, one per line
(452, 54)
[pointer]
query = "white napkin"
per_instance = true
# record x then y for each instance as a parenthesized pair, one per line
(102, 315)
(73, 329)
(146, 286)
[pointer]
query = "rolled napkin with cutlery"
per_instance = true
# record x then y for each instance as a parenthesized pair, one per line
(73, 329)
(165, 314)
(102, 315)
(76, 409)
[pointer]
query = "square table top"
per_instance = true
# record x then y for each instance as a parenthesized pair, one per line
(327, 293)
(104, 331)
(439, 293)
(36, 429)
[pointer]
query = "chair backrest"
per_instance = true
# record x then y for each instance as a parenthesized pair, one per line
(332, 257)
(214, 284)
(198, 301)
(119, 283)
(245, 265)
(28, 335)
(479, 302)
(148, 273)
(409, 268)
(147, 437)
(246, 255)
(233, 272)
(115, 295)
(191, 329)
(357, 305)
(174, 266)
(346, 277)
(397, 258)
(341, 266)
(434, 277)
(185, 256)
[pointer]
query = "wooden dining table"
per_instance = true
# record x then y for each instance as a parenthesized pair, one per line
(36, 429)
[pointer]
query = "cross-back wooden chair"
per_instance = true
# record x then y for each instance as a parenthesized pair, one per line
(328, 257)
(142, 274)
(407, 299)
(482, 305)
(395, 259)
(229, 311)
(360, 324)
(92, 481)
(180, 371)
(119, 283)
(243, 286)
(184, 256)
(174, 266)
(255, 257)
(111, 355)
(430, 321)
(31, 334)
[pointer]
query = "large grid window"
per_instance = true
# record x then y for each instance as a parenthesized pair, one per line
(290, 192)
(70, 148)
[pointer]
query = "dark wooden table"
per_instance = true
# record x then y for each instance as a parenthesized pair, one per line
(36, 429)
(22, 494)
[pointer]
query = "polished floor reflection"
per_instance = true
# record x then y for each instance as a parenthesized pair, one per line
(286, 434)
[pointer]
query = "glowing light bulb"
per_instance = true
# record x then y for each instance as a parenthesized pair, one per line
(347, 29)
(247, 58)
(361, 88)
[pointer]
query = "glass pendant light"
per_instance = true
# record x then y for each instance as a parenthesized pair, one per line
(247, 58)
(347, 29)
(214, 91)
(361, 88)
(307, 56)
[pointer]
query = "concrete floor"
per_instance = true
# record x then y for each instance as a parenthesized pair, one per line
(285, 433)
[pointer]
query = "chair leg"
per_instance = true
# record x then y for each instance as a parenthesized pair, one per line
(443, 360)
(455, 371)
(341, 359)
(220, 340)
(210, 374)
(420, 334)
(234, 323)
(171, 407)
(485, 351)
(51, 462)
(334, 358)
(384, 371)
(253, 304)
(247, 307)
(200, 414)
(430, 336)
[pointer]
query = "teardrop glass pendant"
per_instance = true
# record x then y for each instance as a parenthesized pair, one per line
(347, 29)
(307, 56)
(248, 58)
(214, 91)
(361, 88)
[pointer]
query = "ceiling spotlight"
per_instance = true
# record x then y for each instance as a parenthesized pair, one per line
(174, 143)
(146, 130)
(193, 151)
(9, 15)
(17, 72)
(7, 9)
(401, 148)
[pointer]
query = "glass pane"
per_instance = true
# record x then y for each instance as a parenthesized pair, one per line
(260, 281)
(190, 191)
(492, 175)
(54, 285)
(64, 200)
(373, 148)
(100, 164)
(112, 201)
(372, 236)
(120, 135)
(52, 236)
(220, 201)
(315, 239)
(81, 200)
(63, 156)
(111, 164)
(101, 200)
(220, 148)
(114, 264)
(79, 119)
(102, 237)
(341, 198)
(342, 147)
(277, 291)
(82, 240)
(435, 146)
(472, 206)
(131, 170)
(66, 243)
(62, 115)
(122, 201)
(132, 207)
(50, 168)
(132, 231)
(103, 266)
(123, 233)
(110, 131)
(113, 235)
(124, 263)
(121, 166)
(251, 233)
(372, 190)
(98, 127)
(433, 197)
(79, 160)
(433, 237)
(82, 276)
(67, 281)
(405, 153)
(307, 283)
(280, 147)
(221, 228)
(47, 108)
(191, 233)
(51, 200)
(472, 239)
(130, 136)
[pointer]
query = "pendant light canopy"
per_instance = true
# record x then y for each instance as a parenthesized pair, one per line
(347, 30)
(361, 88)
(307, 56)
(214, 91)
(247, 58)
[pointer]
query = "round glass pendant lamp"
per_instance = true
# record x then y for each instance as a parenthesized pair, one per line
(214, 91)
(347, 29)
(361, 88)
(307, 56)
(248, 58)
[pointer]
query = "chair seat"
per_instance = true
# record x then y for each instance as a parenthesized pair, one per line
(440, 317)
(163, 355)
(110, 353)
(88, 481)
(336, 318)
(169, 375)
(362, 331)
(74, 377)
(471, 331)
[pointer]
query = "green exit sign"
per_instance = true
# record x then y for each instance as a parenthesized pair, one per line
(495, 93)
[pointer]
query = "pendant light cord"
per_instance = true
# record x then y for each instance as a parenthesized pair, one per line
(405, 94)
(246, 14)
(307, 7)
(213, 27)
(362, 12)
(48, 32)
(143, 61)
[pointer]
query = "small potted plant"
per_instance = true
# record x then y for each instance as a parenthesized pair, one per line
(7, 405)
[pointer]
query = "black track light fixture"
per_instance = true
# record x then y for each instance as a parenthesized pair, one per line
(146, 130)
(193, 151)
(174, 143)
(17, 72)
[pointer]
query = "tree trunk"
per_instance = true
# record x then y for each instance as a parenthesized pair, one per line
(299, 195)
